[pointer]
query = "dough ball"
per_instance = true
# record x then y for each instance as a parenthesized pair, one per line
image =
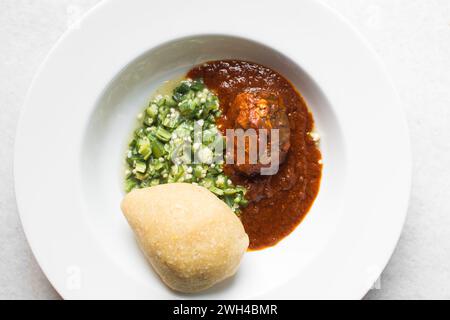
(192, 239)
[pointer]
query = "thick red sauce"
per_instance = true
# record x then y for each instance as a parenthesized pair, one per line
(278, 203)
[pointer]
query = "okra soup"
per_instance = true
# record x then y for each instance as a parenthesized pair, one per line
(241, 131)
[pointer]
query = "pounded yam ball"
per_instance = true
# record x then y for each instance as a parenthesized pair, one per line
(192, 239)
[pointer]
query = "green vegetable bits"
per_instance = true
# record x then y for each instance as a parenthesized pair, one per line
(156, 155)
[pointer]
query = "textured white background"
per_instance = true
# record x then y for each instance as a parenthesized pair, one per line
(411, 36)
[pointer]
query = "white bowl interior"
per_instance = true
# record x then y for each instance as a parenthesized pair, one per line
(109, 131)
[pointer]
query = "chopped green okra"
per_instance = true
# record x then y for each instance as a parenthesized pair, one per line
(156, 155)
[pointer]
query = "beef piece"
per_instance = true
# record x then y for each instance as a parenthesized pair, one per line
(260, 110)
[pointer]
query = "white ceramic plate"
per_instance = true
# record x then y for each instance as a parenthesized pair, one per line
(82, 106)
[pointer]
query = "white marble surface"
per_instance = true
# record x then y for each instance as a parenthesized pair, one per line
(413, 39)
